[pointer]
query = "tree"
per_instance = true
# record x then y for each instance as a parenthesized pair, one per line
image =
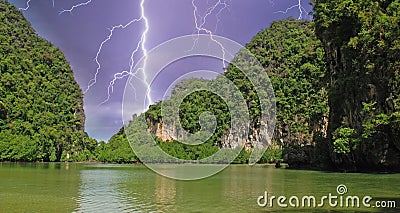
(41, 105)
(361, 41)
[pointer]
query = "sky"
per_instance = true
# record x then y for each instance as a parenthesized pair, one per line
(82, 32)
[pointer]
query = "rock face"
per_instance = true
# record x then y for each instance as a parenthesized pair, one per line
(364, 84)
(256, 137)
(162, 131)
(381, 150)
(248, 139)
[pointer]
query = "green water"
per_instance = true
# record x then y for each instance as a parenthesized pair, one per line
(75, 187)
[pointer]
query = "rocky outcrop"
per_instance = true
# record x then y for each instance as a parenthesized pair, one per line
(364, 83)
(160, 130)
(258, 136)
(254, 137)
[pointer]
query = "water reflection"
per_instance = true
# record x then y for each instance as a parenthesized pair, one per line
(132, 188)
(37, 187)
(124, 188)
(165, 192)
(104, 190)
(43, 187)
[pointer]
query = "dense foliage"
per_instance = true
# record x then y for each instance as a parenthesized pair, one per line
(41, 107)
(294, 60)
(362, 43)
(336, 81)
(116, 150)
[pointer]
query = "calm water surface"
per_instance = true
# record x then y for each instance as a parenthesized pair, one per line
(76, 187)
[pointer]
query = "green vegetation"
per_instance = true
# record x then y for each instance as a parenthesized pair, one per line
(190, 110)
(116, 150)
(336, 81)
(361, 40)
(294, 60)
(41, 107)
(297, 73)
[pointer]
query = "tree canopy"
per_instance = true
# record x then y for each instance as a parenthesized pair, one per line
(361, 40)
(41, 106)
(293, 58)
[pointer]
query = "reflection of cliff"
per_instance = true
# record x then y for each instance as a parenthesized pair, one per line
(165, 191)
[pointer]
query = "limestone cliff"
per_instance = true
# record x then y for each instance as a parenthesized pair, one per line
(168, 132)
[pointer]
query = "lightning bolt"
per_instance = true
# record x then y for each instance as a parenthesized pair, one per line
(74, 7)
(299, 6)
(93, 81)
(144, 51)
(27, 6)
(141, 46)
(199, 20)
(225, 6)
(200, 25)
(134, 73)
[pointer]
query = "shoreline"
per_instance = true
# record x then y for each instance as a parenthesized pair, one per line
(285, 166)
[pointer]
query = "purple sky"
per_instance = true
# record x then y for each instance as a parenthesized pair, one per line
(79, 34)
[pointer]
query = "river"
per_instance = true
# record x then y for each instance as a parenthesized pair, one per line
(80, 187)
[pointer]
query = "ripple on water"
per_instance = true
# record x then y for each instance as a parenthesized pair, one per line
(104, 190)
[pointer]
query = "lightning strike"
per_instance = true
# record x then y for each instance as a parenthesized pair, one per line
(27, 6)
(226, 6)
(199, 20)
(299, 6)
(93, 81)
(144, 51)
(134, 73)
(203, 19)
(141, 45)
(75, 6)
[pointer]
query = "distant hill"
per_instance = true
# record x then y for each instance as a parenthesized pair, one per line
(41, 105)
